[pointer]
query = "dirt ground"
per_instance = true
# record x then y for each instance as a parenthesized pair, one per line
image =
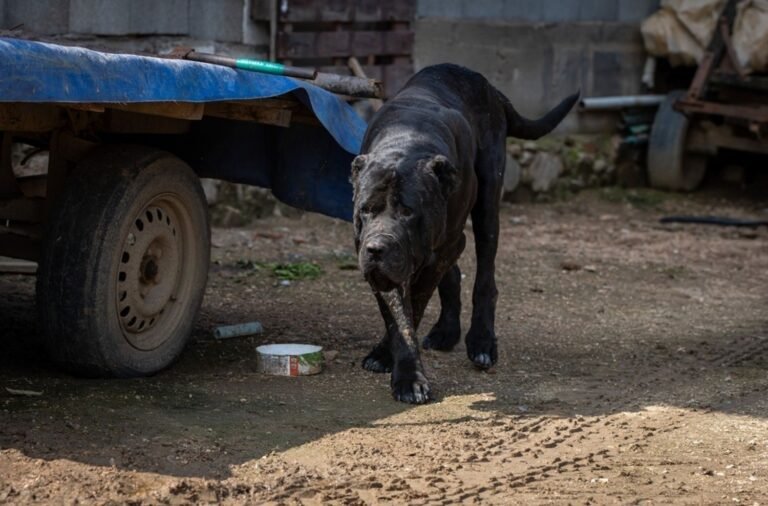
(633, 370)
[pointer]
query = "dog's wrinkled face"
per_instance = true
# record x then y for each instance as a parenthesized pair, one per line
(400, 210)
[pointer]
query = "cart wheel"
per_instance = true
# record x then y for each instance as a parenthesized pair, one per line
(124, 263)
(669, 166)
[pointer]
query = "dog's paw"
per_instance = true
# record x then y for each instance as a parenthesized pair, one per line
(442, 338)
(481, 349)
(410, 385)
(378, 360)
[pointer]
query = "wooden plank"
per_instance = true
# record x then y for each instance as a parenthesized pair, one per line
(705, 137)
(23, 209)
(178, 110)
(21, 117)
(261, 9)
(249, 112)
(8, 183)
(34, 186)
(14, 266)
(98, 108)
(19, 246)
(372, 71)
(302, 11)
(401, 10)
(125, 122)
(343, 44)
(65, 149)
(273, 103)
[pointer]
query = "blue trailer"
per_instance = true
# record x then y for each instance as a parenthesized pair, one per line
(118, 223)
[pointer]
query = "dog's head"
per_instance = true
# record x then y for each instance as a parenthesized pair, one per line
(400, 210)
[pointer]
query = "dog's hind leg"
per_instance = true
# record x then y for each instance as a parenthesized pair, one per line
(446, 333)
(481, 338)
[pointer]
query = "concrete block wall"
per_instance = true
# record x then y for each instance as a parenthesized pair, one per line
(539, 51)
(539, 11)
(535, 51)
(221, 26)
(137, 17)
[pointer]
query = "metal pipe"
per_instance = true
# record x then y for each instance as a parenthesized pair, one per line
(241, 329)
(266, 67)
(611, 103)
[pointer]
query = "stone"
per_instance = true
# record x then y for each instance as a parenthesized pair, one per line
(544, 171)
(210, 189)
(28, 161)
(600, 165)
(586, 163)
(530, 146)
(526, 158)
(512, 174)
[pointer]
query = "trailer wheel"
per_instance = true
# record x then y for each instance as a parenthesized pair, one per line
(669, 166)
(124, 263)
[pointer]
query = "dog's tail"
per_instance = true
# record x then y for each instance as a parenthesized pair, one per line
(524, 128)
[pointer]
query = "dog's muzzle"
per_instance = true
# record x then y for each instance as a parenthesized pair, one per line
(383, 263)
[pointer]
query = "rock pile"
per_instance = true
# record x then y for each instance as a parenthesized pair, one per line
(553, 168)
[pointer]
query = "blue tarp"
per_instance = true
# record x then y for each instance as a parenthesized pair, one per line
(39, 72)
(317, 169)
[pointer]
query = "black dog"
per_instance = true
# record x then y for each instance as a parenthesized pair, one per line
(433, 154)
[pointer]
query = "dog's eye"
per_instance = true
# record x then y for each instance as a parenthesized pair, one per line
(406, 211)
(371, 208)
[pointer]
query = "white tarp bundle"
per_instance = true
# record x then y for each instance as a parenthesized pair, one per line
(682, 29)
(750, 35)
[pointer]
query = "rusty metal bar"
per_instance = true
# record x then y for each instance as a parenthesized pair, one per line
(758, 114)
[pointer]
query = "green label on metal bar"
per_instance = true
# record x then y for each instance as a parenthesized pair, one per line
(266, 67)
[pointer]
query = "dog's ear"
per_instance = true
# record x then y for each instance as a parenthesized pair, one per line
(446, 173)
(357, 165)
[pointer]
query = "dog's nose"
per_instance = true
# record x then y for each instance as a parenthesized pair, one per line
(375, 249)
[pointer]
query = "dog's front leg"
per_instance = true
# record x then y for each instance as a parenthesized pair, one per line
(409, 384)
(380, 358)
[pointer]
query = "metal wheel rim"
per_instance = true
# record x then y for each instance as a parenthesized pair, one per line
(153, 278)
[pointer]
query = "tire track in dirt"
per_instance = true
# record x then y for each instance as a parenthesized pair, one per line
(488, 459)
(511, 448)
(741, 349)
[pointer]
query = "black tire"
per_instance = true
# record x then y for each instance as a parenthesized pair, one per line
(124, 263)
(670, 167)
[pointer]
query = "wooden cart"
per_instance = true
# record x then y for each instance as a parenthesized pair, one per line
(723, 109)
(118, 222)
